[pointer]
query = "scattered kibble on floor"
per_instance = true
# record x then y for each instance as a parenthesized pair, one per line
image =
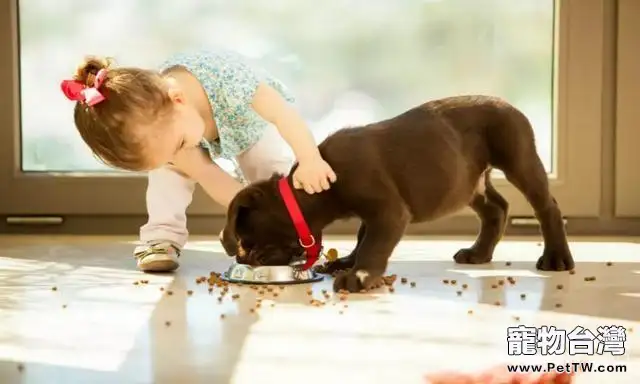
(413, 284)
(523, 296)
(189, 292)
(445, 281)
(558, 305)
(469, 312)
(453, 282)
(508, 263)
(559, 286)
(609, 263)
(54, 288)
(403, 280)
(169, 293)
(465, 286)
(459, 293)
(572, 272)
(20, 367)
(494, 286)
(167, 323)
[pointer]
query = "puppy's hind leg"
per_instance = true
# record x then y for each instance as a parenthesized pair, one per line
(492, 209)
(522, 166)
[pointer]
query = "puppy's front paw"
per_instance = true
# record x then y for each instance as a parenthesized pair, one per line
(554, 260)
(356, 281)
(472, 256)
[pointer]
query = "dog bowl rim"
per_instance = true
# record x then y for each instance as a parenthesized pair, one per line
(315, 277)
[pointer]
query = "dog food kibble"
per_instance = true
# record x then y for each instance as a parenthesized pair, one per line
(275, 294)
(609, 263)
(497, 303)
(391, 289)
(54, 288)
(630, 329)
(453, 282)
(403, 280)
(324, 291)
(161, 289)
(309, 292)
(389, 280)
(500, 282)
(273, 305)
(516, 318)
(235, 296)
(465, 286)
(167, 323)
(281, 287)
(252, 310)
(210, 289)
(413, 284)
(222, 316)
(332, 254)
(459, 293)
(64, 306)
(469, 312)
(269, 289)
(523, 296)
(590, 278)
(572, 272)
(508, 263)
(20, 367)
(189, 292)
(258, 305)
(169, 293)
(220, 299)
(341, 312)
(558, 305)
(135, 283)
(494, 286)
(559, 286)
(445, 281)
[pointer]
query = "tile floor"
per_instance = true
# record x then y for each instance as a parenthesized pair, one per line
(98, 327)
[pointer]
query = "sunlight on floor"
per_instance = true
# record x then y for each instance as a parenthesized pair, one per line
(97, 326)
(63, 327)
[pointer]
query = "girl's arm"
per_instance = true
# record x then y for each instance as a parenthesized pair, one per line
(271, 106)
(313, 173)
(217, 183)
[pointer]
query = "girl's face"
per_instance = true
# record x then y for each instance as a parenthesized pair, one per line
(181, 129)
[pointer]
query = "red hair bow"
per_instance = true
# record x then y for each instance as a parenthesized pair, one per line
(76, 91)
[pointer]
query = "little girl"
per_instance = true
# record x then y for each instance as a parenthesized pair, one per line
(200, 106)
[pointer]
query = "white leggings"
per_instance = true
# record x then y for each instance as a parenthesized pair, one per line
(169, 193)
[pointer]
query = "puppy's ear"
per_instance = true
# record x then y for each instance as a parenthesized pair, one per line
(246, 200)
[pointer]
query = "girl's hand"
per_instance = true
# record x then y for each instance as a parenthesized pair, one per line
(314, 175)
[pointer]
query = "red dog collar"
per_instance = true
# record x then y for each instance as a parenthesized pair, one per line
(311, 245)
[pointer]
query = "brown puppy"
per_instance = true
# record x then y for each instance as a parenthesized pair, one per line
(426, 163)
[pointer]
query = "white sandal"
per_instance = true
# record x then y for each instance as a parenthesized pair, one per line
(160, 256)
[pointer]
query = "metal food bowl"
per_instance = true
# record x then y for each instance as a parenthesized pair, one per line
(274, 275)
